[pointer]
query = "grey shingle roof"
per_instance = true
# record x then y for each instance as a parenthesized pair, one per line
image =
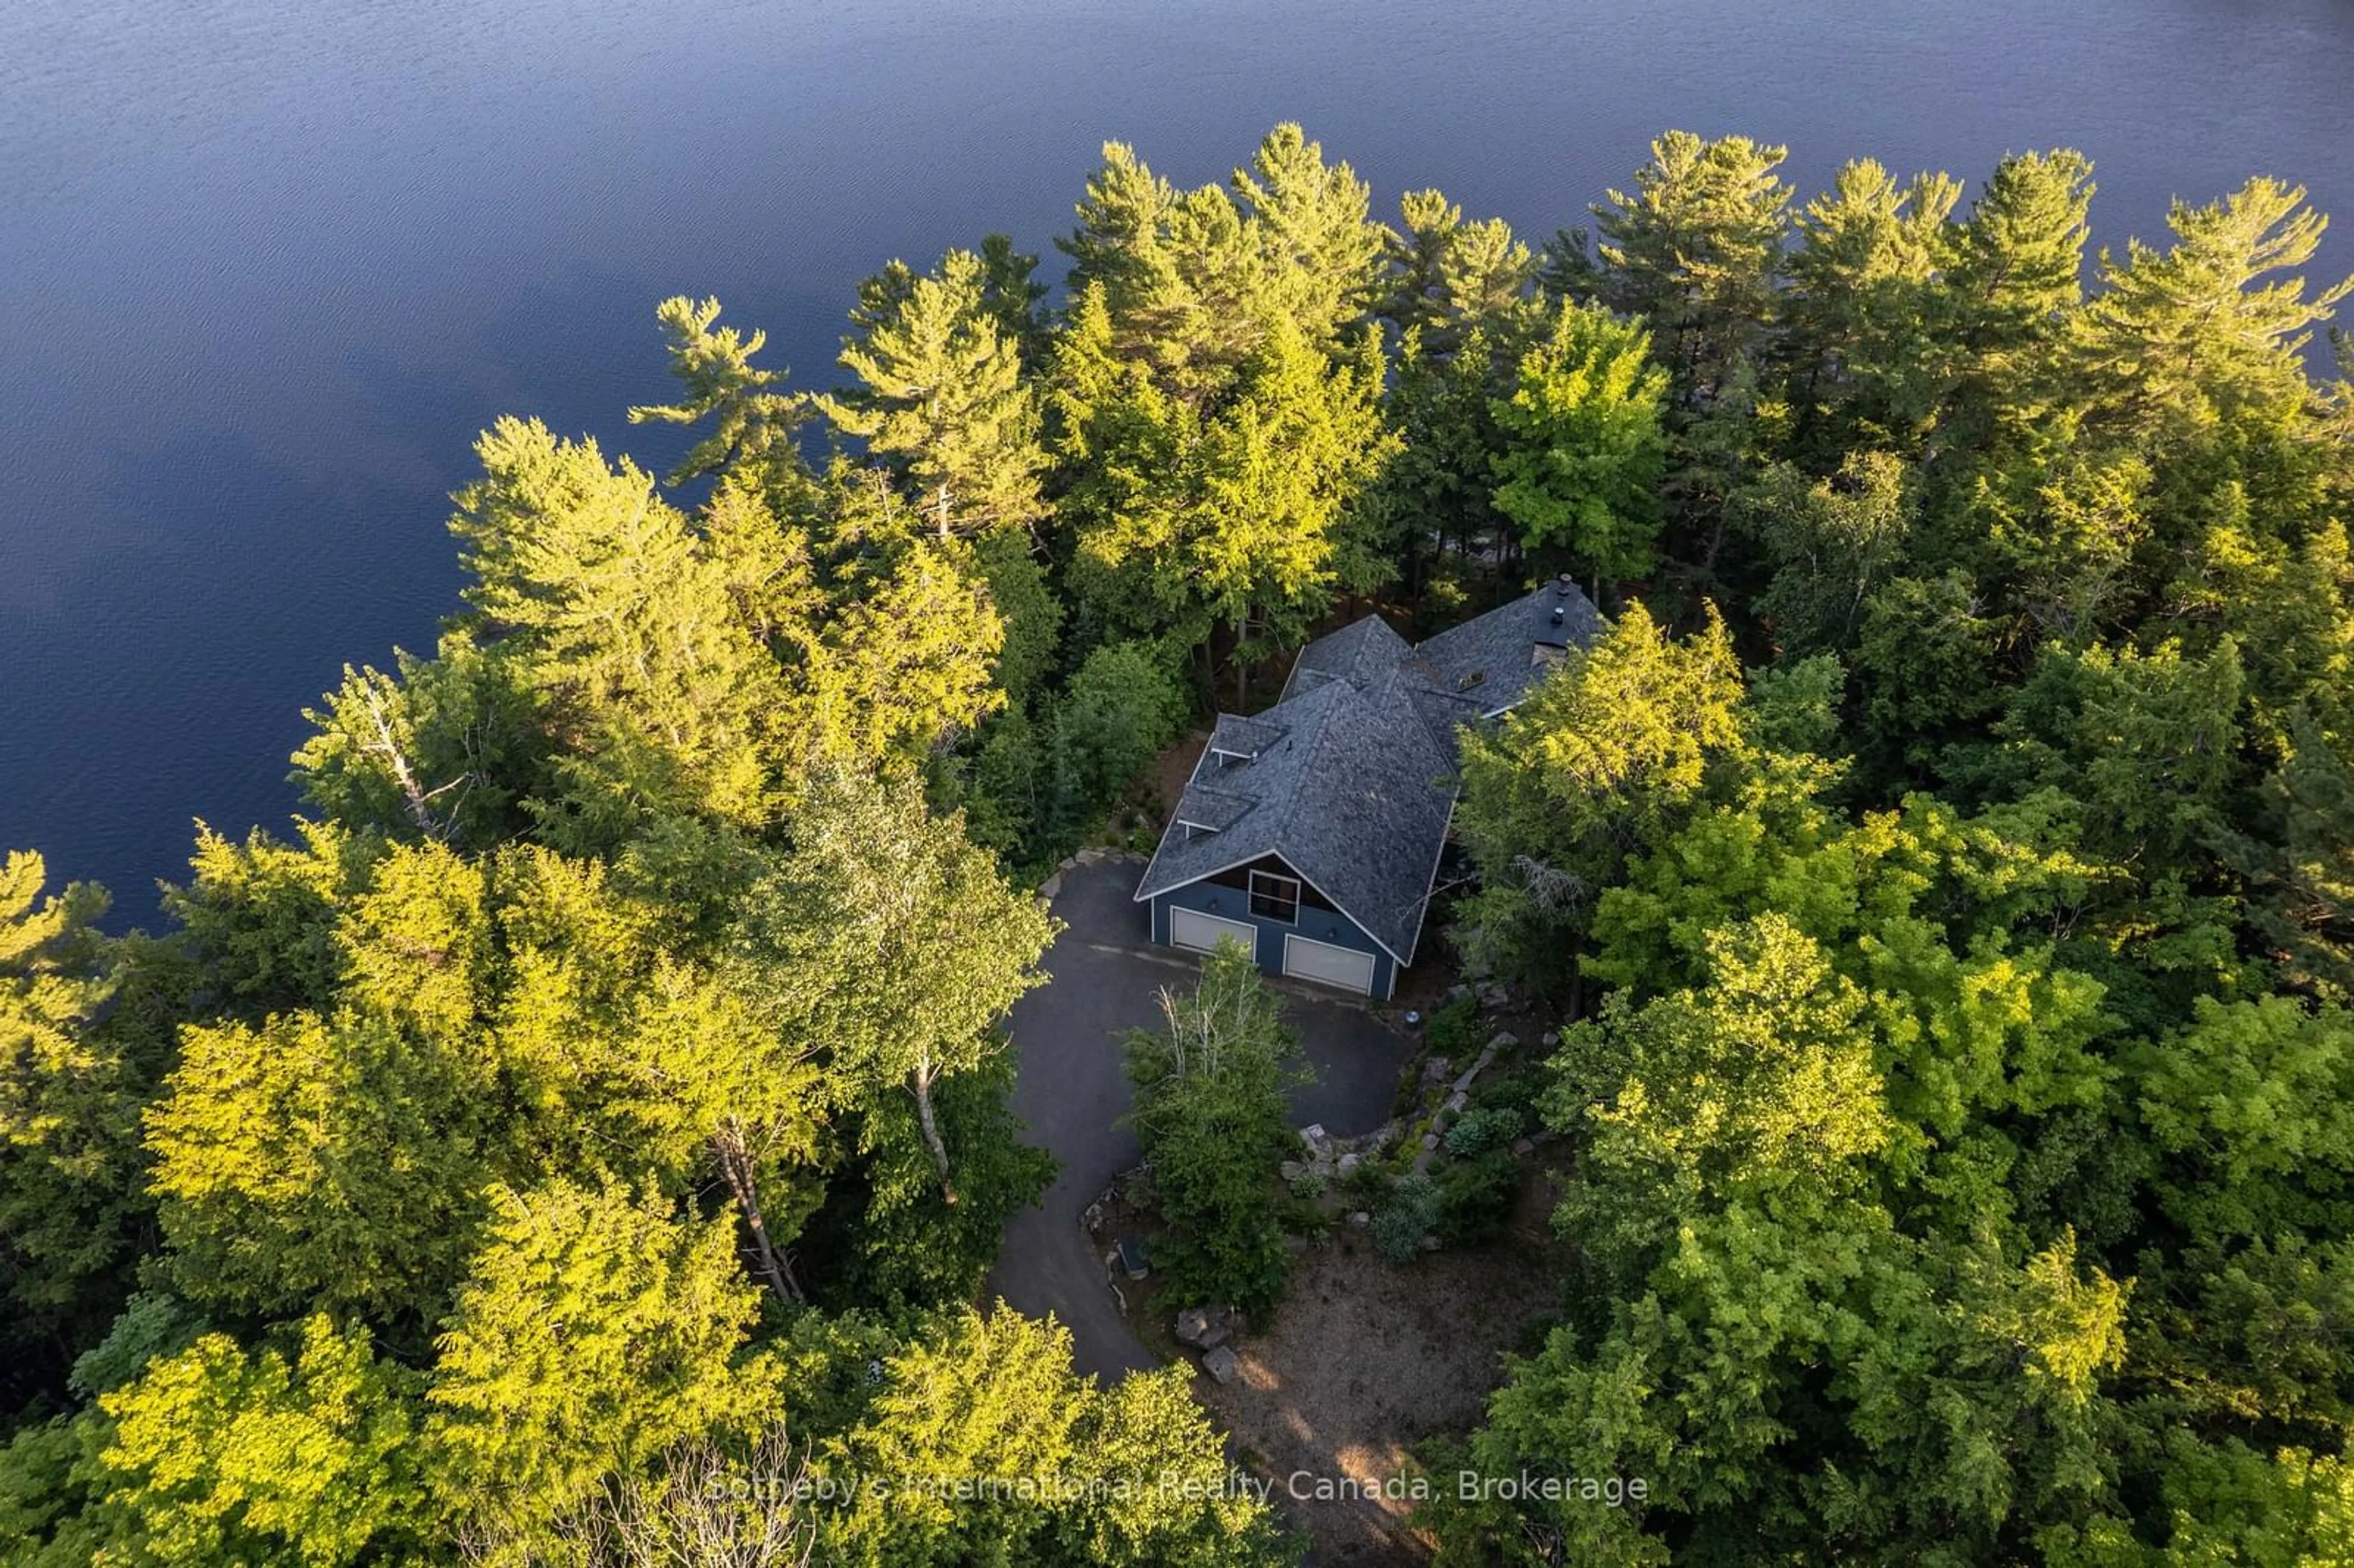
(1492, 659)
(1355, 796)
(1352, 773)
(1214, 809)
(1361, 654)
(1243, 737)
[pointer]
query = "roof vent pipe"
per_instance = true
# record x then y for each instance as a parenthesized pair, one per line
(1561, 585)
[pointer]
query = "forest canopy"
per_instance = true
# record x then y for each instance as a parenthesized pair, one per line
(1939, 867)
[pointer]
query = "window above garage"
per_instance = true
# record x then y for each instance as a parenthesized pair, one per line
(1274, 897)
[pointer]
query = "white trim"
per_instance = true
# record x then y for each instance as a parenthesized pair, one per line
(1372, 962)
(1251, 895)
(1243, 931)
(1140, 895)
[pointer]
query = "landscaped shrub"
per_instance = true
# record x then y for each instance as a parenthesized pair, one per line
(1366, 1184)
(1476, 1197)
(1400, 1223)
(1478, 1131)
(1454, 1031)
(1513, 1091)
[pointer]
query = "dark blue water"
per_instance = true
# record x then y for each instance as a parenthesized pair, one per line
(266, 266)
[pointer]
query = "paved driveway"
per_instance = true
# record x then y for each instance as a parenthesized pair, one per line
(1070, 1092)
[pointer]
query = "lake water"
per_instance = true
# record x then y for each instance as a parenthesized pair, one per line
(266, 267)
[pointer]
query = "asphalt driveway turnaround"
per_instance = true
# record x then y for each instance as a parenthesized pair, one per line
(1106, 978)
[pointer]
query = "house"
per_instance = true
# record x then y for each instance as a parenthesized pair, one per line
(1311, 833)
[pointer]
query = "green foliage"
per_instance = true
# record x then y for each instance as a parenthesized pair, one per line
(1211, 1113)
(442, 747)
(1694, 250)
(335, 1161)
(618, 614)
(753, 419)
(1407, 1215)
(1124, 707)
(1453, 1030)
(941, 397)
(1106, 1470)
(892, 943)
(1026, 606)
(1241, 516)
(1608, 750)
(885, 1239)
(1956, 1050)
(594, 1329)
(1478, 1131)
(2182, 341)
(1832, 542)
(1582, 453)
(1476, 1197)
(300, 1454)
(71, 1083)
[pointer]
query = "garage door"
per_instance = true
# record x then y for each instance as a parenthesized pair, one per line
(1191, 928)
(1343, 966)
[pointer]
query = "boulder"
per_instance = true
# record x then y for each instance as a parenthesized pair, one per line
(1051, 887)
(1220, 1363)
(1522, 1148)
(1360, 1218)
(1505, 1039)
(1456, 1101)
(1429, 1141)
(1349, 1162)
(1291, 1170)
(1193, 1326)
(1549, 1039)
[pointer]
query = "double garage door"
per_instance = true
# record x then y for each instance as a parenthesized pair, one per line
(1321, 961)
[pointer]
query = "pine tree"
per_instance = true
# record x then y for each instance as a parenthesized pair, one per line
(619, 612)
(1694, 250)
(302, 1453)
(1860, 323)
(2201, 334)
(941, 400)
(1308, 222)
(754, 418)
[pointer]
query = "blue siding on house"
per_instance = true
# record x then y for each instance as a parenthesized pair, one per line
(1317, 924)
